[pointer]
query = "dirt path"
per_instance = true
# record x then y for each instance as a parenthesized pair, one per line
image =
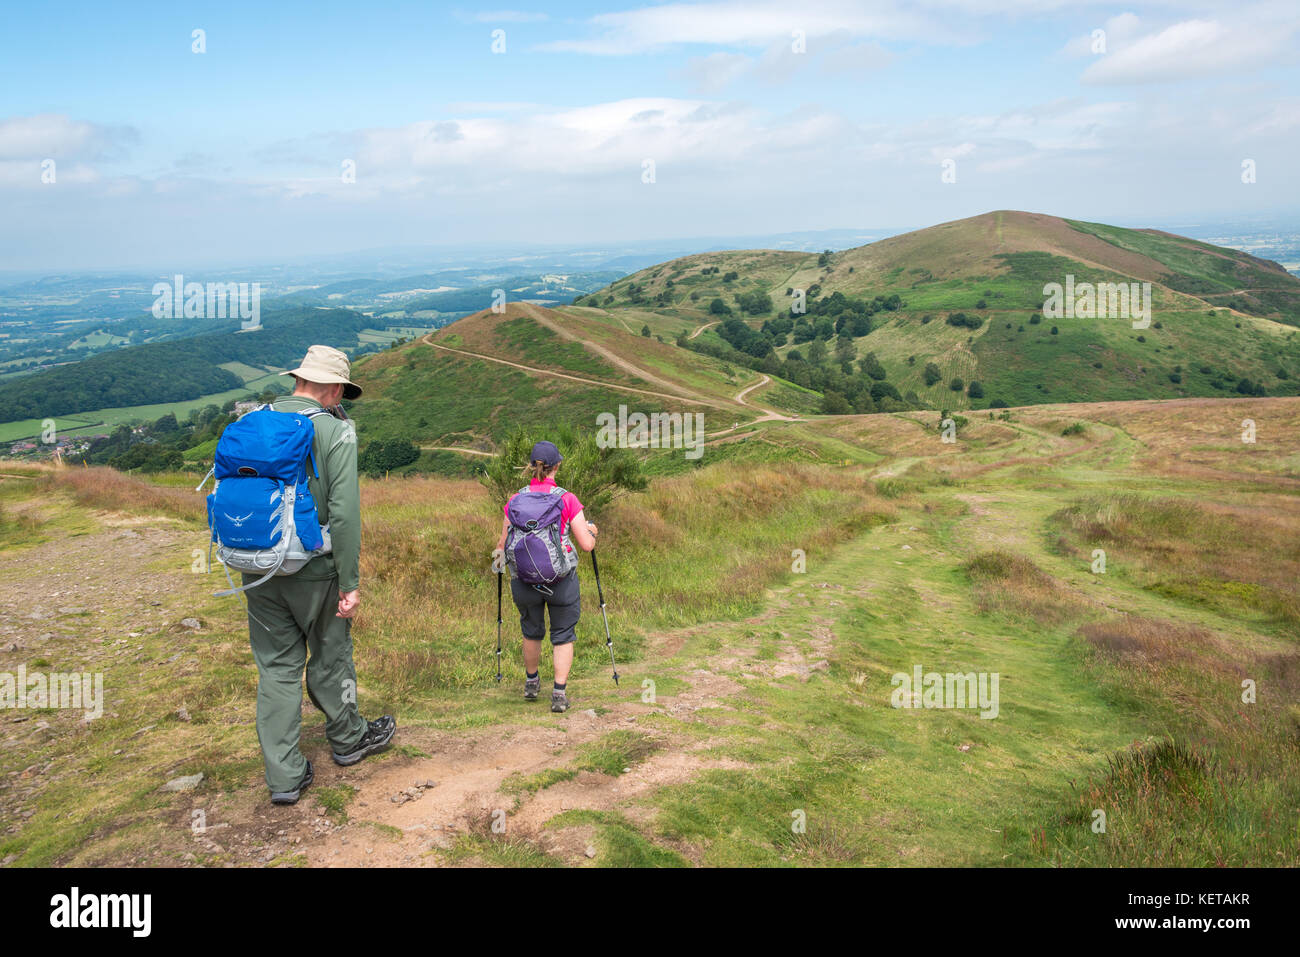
(427, 340)
(679, 393)
(406, 808)
(768, 414)
(608, 355)
(453, 448)
(701, 329)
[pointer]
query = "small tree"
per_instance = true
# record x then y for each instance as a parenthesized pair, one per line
(596, 475)
(872, 367)
(835, 404)
(844, 351)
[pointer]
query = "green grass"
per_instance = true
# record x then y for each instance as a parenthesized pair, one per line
(105, 420)
(334, 801)
(616, 752)
(875, 784)
(1118, 692)
(97, 340)
(618, 842)
(521, 784)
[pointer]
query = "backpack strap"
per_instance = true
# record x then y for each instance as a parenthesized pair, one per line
(311, 453)
(555, 490)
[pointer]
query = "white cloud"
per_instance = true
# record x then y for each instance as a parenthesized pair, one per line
(1194, 48)
(746, 23)
(836, 54)
(58, 136)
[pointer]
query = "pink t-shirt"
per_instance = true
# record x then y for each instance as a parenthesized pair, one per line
(569, 504)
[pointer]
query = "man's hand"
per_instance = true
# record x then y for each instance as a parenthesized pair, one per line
(591, 527)
(349, 602)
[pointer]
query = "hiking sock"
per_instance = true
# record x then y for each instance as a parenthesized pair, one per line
(560, 687)
(531, 676)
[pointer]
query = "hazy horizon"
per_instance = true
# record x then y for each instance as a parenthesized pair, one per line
(326, 130)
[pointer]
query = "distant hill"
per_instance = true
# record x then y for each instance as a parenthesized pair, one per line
(467, 385)
(1223, 322)
(948, 317)
(179, 370)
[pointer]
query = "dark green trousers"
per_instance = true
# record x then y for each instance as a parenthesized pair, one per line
(292, 624)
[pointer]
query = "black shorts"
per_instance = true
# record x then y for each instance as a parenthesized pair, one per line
(564, 603)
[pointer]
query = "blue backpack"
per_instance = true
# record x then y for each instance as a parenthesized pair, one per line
(261, 512)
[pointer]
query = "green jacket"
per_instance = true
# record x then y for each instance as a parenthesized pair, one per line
(337, 494)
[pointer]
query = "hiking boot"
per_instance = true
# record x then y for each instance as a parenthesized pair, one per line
(532, 687)
(291, 797)
(378, 733)
(559, 702)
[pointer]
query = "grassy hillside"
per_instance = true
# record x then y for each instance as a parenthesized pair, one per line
(1218, 316)
(466, 386)
(756, 690)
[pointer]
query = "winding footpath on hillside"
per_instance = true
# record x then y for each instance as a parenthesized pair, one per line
(542, 318)
(677, 392)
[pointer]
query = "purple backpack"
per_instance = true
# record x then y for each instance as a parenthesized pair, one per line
(535, 550)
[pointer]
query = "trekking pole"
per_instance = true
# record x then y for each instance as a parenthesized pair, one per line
(500, 575)
(609, 642)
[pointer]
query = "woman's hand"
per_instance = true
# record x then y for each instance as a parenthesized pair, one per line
(584, 532)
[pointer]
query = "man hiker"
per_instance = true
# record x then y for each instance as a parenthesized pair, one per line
(310, 611)
(557, 592)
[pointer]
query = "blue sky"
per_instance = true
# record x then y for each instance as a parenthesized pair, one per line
(163, 155)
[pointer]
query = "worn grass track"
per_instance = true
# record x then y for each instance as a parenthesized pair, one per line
(754, 723)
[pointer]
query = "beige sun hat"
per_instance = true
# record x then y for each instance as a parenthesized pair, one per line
(326, 366)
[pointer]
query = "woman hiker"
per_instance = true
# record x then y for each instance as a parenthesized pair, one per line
(556, 557)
